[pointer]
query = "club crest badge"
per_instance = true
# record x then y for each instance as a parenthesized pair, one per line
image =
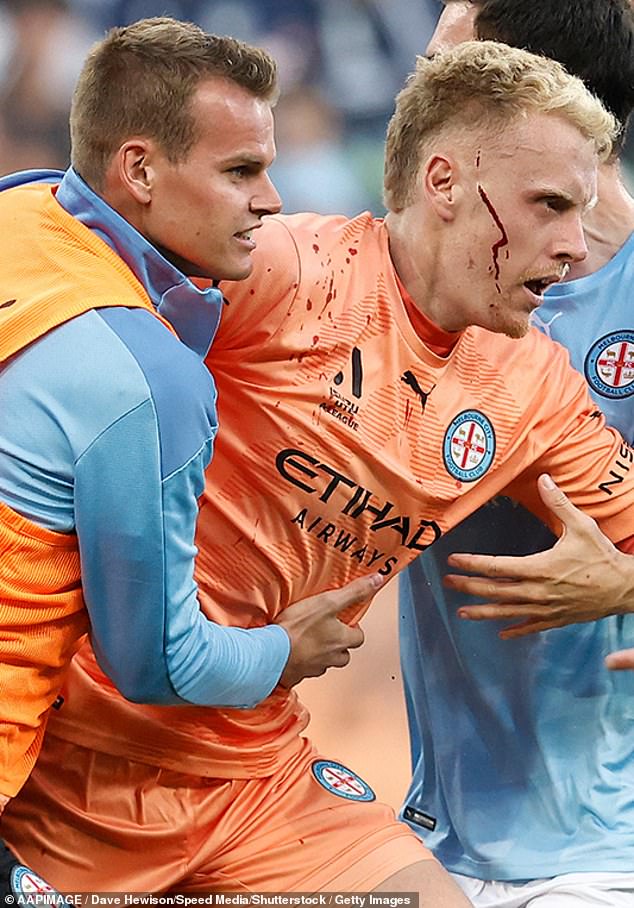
(341, 781)
(609, 365)
(25, 881)
(469, 446)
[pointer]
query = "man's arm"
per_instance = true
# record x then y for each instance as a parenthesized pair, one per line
(87, 446)
(582, 578)
(148, 631)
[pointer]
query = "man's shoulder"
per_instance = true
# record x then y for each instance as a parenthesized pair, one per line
(120, 356)
(534, 348)
(165, 363)
(316, 236)
(531, 367)
(297, 255)
(96, 371)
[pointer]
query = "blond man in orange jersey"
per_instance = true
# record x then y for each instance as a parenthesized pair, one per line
(377, 382)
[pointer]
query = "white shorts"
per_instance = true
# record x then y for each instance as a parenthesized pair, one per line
(570, 890)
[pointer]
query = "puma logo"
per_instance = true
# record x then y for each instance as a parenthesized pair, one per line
(539, 322)
(412, 382)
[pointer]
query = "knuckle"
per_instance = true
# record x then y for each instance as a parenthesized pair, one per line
(332, 600)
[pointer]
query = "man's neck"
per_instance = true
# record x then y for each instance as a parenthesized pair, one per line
(609, 224)
(416, 264)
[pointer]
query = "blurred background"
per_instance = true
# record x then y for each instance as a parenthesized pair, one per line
(341, 64)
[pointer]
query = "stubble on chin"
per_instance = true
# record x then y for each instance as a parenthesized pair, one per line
(513, 324)
(517, 329)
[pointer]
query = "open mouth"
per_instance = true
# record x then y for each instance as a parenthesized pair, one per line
(539, 285)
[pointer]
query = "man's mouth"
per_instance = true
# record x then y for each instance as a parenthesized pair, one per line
(245, 235)
(539, 285)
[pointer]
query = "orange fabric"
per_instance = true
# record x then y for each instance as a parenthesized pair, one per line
(42, 618)
(158, 830)
(67, 271)
(331, 462)
(627, 545)
(439, 341)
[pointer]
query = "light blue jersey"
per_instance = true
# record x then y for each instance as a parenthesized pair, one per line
(523, 750)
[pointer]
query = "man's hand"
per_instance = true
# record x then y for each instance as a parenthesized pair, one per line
(319, 640)
(582, 578)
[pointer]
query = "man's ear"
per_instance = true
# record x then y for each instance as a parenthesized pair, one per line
(440, 177)
(134, 163)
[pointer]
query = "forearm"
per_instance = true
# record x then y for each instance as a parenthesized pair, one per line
(148, 631)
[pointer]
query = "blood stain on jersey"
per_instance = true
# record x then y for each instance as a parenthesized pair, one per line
(411, 381)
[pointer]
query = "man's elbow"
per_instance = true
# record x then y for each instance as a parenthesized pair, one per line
(143, 688)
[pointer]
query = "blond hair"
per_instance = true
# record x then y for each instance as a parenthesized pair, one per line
(140, 80)
(482, 86)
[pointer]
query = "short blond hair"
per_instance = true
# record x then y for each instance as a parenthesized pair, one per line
(482, 86)
(140, 80)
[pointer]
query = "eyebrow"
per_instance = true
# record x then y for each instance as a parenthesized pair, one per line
(244, 160)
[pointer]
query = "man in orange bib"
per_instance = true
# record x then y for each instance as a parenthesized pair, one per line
(108, 419)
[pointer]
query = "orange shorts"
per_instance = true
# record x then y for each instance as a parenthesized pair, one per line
(89, 822)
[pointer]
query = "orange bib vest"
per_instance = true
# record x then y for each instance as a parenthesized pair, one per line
(53, 268)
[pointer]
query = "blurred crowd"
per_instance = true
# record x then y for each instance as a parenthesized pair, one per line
(341, 63)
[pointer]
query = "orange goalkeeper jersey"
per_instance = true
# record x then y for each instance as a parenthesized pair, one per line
(347, 446)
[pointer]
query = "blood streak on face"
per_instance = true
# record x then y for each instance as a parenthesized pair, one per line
(503, 241)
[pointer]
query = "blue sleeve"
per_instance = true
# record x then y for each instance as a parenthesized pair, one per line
(127, 422)
(136, 537)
